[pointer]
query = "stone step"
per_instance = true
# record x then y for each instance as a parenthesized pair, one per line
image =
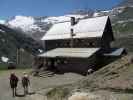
(46, 74)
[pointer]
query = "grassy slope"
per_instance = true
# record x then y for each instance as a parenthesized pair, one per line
(123, 31)
(123, 28)
(126, 26)
(111, 75)
(126, 14)
(115, 77)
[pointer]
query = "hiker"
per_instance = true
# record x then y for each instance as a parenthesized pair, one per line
(25, 83)
(13, 83)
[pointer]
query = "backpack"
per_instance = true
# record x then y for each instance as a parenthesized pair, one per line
(13, 80)
(25, 81)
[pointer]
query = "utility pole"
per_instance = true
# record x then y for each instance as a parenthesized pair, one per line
(45, 49)
(17, 56)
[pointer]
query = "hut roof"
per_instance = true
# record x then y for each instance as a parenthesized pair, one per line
(85, 28)
(115, 52)
(70, 52)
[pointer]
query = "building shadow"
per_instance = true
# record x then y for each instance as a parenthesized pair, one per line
(31, 93)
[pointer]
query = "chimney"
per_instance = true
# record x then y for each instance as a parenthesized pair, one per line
(73, 21)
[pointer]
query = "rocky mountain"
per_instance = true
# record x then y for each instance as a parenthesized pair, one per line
(126, 3)
(28, 25)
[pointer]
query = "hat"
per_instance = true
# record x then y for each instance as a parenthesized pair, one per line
(25, 75)
(12, 73)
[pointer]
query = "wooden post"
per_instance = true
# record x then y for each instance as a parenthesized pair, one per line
(44, 60)
(17, 56)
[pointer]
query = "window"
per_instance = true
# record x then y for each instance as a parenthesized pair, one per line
(91, 44)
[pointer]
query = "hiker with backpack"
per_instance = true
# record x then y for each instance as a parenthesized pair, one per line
(13, 83)
(25, 83)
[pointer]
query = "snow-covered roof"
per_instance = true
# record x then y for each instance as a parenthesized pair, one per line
(91, 27)
(70, 52)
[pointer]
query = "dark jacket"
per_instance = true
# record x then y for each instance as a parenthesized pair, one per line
(25, 81)
(13, 81)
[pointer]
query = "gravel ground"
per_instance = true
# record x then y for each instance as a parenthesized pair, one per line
(37, 84)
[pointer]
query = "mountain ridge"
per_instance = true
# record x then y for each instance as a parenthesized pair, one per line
(126, 3)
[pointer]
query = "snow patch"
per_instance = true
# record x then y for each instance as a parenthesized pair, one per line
(111, 12)
(2, 31)
(95, 14)
(4, 59)
(106, 11)
(25, 23)
(2, 21)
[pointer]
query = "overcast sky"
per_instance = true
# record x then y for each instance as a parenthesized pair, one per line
(9, 8)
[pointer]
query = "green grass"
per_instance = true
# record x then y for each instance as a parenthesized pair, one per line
(3, 66)
(28, 70)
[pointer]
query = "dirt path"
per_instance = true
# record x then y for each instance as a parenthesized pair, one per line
(37, 84)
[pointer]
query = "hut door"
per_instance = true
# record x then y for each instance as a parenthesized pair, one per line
(51, 64)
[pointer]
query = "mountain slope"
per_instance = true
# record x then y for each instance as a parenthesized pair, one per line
(11, 40)
(126, 3)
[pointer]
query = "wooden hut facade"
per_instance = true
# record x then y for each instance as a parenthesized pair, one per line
(74, 46)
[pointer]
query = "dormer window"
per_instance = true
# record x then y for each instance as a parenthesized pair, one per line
(73, 21)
